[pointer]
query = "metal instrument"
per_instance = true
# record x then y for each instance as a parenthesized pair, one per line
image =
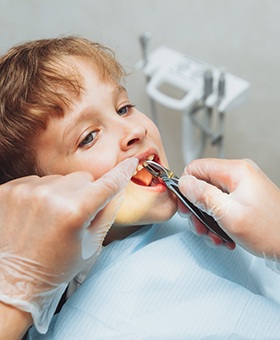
(172, 183)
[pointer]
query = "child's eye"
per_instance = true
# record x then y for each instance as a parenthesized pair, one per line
(125, 109)
(89, 139)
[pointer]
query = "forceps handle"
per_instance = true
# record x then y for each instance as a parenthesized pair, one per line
(206, 219)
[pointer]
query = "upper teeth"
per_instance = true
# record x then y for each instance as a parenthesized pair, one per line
(140, 166)
(151, 157)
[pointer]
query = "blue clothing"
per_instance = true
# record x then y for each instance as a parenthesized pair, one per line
(163, 282)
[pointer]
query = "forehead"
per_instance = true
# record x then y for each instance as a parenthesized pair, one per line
(89, 78)
(72, 77)
(106, 71)
(81, 70)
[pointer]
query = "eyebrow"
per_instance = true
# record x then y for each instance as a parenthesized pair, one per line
(118, 89)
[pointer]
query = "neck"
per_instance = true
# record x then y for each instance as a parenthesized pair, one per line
(119, 233)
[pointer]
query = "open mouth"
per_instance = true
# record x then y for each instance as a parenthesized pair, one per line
(143, 177)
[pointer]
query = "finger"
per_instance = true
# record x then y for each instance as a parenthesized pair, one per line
(217, 241)
(115, 180)
(196, 226)
(96, 195)
(183, 210)
(95, 234)
(205, 196)
(209, 241)
(217, 172)
(210, 238)
(114, 183)
(200, 228)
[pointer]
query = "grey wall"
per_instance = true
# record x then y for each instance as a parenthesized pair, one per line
(242, 35)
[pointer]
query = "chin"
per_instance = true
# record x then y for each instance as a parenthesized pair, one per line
(128, 221)
(146, 209)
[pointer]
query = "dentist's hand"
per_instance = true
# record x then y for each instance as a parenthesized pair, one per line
(241, 198)
(49, 227)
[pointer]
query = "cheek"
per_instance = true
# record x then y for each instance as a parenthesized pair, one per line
(97, 164)
(142, 207)
(102, 165)
(150, 125)
(155, 136)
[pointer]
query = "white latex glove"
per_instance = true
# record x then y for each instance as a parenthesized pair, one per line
(241, 198)
(49, 226)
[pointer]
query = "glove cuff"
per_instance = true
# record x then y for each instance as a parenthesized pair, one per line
(272, 263)
(42, 310)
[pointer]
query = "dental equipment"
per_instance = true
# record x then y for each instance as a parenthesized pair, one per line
(172, 183)
(208, 93)
(144, 41)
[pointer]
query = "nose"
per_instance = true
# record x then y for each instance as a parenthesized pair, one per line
(133, 133)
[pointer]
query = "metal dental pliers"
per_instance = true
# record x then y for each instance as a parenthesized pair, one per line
(172, 183)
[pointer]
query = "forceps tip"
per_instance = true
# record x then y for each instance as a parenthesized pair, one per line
(156, 169)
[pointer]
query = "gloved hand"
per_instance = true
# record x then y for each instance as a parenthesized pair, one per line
(49, 227)
(241, 198)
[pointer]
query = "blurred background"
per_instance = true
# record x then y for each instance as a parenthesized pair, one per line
(241, 35)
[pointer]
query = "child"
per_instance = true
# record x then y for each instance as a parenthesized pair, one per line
(64, 108)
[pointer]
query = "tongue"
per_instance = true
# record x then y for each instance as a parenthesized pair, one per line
(143, 177)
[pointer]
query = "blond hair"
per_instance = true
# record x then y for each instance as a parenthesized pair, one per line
(37, 83)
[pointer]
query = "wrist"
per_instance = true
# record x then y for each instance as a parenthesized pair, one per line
(14, 322)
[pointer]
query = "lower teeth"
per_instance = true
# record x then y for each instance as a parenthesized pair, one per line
(154, 182)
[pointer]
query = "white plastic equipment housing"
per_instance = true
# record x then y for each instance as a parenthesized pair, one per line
(166, 66)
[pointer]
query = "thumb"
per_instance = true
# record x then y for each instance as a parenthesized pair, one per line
(94, 235)
(205, 196)
(110, 192)
(115, 180)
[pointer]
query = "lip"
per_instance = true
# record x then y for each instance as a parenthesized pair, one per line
(159, 188)
(142, 157)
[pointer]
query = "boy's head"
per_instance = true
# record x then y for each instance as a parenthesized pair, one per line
(64, 109)
(35, 85)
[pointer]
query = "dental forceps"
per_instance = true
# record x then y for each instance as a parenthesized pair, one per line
(172, 183)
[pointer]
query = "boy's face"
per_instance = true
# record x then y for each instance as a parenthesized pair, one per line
(100, 130)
